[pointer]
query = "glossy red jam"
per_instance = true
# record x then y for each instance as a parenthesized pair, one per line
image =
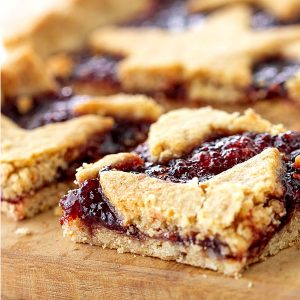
(52, 108)
(94, 69)
(269, 77)
(214, 157)
(90, 204)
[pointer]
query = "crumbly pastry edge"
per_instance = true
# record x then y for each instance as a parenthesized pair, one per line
(288, 236)
(122, 107)
(31, 166)
(36, 202)
(234, 206)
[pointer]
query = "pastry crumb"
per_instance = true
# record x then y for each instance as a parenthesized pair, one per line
(23, 231)
(237, 276)
(204, 275)
(250, 284)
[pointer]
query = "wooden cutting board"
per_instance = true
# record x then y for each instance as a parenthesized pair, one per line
(44, 265)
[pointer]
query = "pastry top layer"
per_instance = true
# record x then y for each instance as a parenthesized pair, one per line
(281, 9)
(31, 159)
(25, 60)
(22, 146)
(178, 132)
(41, 26)
(121, 106)
(218, 55)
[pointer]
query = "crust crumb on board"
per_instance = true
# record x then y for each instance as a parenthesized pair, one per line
(250, 284)
(23, 231)
(237, 276)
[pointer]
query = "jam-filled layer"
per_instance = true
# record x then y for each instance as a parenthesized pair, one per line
(90, 204)
(172, 15)
(262, 19)
(123, 137)
(216, 156)
(89, 68)
(92, 150)
(269, 77)
(101, 71)
(219, 154)
(52, 108)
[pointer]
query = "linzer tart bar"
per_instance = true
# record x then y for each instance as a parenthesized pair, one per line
(220, 57)
(208, 188)
(38, 164)
(225, 60)
(40, 26)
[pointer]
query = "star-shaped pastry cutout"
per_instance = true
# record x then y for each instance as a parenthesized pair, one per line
(281, 9)
(37, 165)
(31, 159)
(213, 62)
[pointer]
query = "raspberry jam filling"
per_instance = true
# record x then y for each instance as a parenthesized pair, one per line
(52, 108)
(219, 154)
(90, 205)
(269, 77)
(216, 156)
(261, 20)
(169, 14)
(100, 70)
(124, 136)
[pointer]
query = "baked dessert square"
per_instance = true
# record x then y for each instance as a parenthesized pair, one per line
(229, 54)
(34, 164)
(208, 188)
(38, 161)
(224, 60)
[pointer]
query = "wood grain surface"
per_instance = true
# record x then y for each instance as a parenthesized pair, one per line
(41, 264)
